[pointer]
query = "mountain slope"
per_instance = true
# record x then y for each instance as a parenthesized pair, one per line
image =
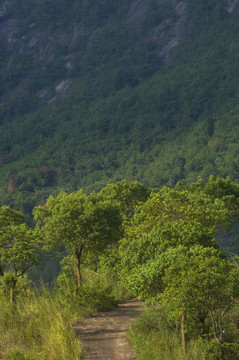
(93, 93)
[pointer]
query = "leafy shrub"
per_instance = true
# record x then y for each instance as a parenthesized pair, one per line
(214, 351)
(154, 336)
(99, 292)
(18, 355)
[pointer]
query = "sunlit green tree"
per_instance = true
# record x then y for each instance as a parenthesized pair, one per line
(79, 222)
(200, 279)
(19, 245)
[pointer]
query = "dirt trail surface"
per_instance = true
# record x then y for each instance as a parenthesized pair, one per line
(104, 335)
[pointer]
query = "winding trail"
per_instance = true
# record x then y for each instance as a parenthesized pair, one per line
(104, 335)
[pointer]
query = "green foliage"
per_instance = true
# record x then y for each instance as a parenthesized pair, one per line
(19, 250)
(144, 260)
(79, 217)
(127, 195)
(200, 280)
(100, 291)
(79, 222)
(214, 350)
(126, 114)
(13, 287)
(186, 215)
(153, 336)
(213, 205)
(19, 245)
(40, 327)
(169, 255)
(18, 355)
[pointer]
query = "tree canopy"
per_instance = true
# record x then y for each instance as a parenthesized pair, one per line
(80, 223)
(169, 253)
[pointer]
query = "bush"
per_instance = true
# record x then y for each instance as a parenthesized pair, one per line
(99, 292)
(18, 355)
(154, 336)
(214, 351)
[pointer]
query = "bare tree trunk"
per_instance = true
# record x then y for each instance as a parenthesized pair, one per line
(78, 265)
(1, 270)
(216, 327)
(12, 296)
(183, 335)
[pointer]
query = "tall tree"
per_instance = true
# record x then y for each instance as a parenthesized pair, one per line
(214, 205)
(175, 220)
(200, 279)
(144, 259)
(19, 246)
(79, 222)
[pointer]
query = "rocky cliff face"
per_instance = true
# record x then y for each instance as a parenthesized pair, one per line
(162, 32)
(165, 34)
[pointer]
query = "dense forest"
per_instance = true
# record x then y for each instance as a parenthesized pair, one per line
(125, 240)
(98, 92)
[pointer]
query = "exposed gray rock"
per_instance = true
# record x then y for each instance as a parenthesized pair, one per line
(233, 5)
(73, 36)
(165, 35)
(180, 9)
(168, 33)
(174, 33)
(45, 43)
(62, 87)
(69, 65)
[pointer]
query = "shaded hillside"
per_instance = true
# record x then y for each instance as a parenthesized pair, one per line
(96, 92)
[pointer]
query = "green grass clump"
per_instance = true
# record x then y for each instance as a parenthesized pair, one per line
(99, 292)
(153, 337)
(38, 327)
(18, 355)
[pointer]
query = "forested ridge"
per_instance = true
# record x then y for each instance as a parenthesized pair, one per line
(95, 92)
(124, 241)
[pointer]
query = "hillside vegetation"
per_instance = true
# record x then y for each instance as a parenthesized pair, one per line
(121, 242)
(96, 92)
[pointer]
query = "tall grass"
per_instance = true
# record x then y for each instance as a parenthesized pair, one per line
(154, 337)
(39, 325)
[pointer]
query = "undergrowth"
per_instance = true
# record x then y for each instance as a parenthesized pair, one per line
(39, 325)
(154, 336)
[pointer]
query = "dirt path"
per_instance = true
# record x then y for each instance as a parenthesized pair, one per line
(104, 335)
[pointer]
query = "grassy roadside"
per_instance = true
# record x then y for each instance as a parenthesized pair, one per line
(39, 325)
(154, 336)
